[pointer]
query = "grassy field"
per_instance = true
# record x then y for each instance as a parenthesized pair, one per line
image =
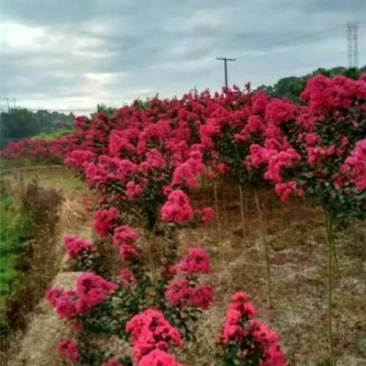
(15, 232)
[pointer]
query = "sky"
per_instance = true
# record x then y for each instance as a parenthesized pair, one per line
(73, 54)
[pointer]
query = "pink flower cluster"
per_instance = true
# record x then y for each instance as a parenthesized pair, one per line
(158, 357)
(284, 190)
(91, 290)
(177, 209)
(123, 239)
(248, 334)
(105, 221)
(354, 168)
(182, 293)
(127, 278)
(195, 261)
(206, 214)
(276, 161)
(77, 246)
(151, 331)
(68, 349)
(112, 362)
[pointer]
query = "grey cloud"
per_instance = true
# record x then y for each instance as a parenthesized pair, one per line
(119, 50)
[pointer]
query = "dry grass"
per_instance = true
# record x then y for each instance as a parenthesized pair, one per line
(38, 346)
(47, 257)
(297, 240)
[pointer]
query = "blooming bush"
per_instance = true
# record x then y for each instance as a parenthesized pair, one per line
(245, 340)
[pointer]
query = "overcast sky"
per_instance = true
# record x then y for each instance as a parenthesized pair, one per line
(73, 54)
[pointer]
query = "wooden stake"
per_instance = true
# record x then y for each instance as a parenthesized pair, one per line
(242, 211)
(216, 206)
(266, 249)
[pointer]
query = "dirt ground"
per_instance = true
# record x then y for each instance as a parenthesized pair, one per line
(296, 236)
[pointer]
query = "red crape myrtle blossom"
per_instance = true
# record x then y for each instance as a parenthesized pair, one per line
(124, 235)
(105, 221)
(354, 168)
(64, 302)
(68, 349)
(181, 295)
(168, 271)
(276, 161)
(178, 293)
(243, 337)
(330, 126)
(158, 358)
(185, 292)
(268, 340)
(79, 159)
(186, 172)
(92, 290)
(285, 190)
(108, 170)
(112, 362)
(177, 208)
(127, 278)
(77, 246)
(201, 297)
(149, 331)
(70, 304)
(123, 239)
(205, 214)
(195, 261)
(133, 190)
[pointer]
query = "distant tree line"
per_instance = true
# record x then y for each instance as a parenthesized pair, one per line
(20, 123)
(292, 86)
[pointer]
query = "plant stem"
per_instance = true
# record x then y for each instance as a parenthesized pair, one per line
(216, 206)
(242, 211)
(333, 245)
(151, 257)
(330, 246)
(266, 249)
(224, 204)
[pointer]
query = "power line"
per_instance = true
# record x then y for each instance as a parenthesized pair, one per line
(225, 59)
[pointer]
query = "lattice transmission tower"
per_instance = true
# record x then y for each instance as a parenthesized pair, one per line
(352, 44)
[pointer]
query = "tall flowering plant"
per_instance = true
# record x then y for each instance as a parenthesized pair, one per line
(331, 125)
(245, 340)
(108, 307)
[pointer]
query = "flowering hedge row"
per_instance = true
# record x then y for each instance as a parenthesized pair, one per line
(140, 154)
(144, 160)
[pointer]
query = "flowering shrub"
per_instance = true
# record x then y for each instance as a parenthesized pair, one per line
(81, 252)
(149, 331)
(121, 307)
(245, 340)
(68, 350)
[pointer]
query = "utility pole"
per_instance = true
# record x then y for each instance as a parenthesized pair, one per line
(225, 59)
(7, 102)
(352, 44)
(14, 102)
